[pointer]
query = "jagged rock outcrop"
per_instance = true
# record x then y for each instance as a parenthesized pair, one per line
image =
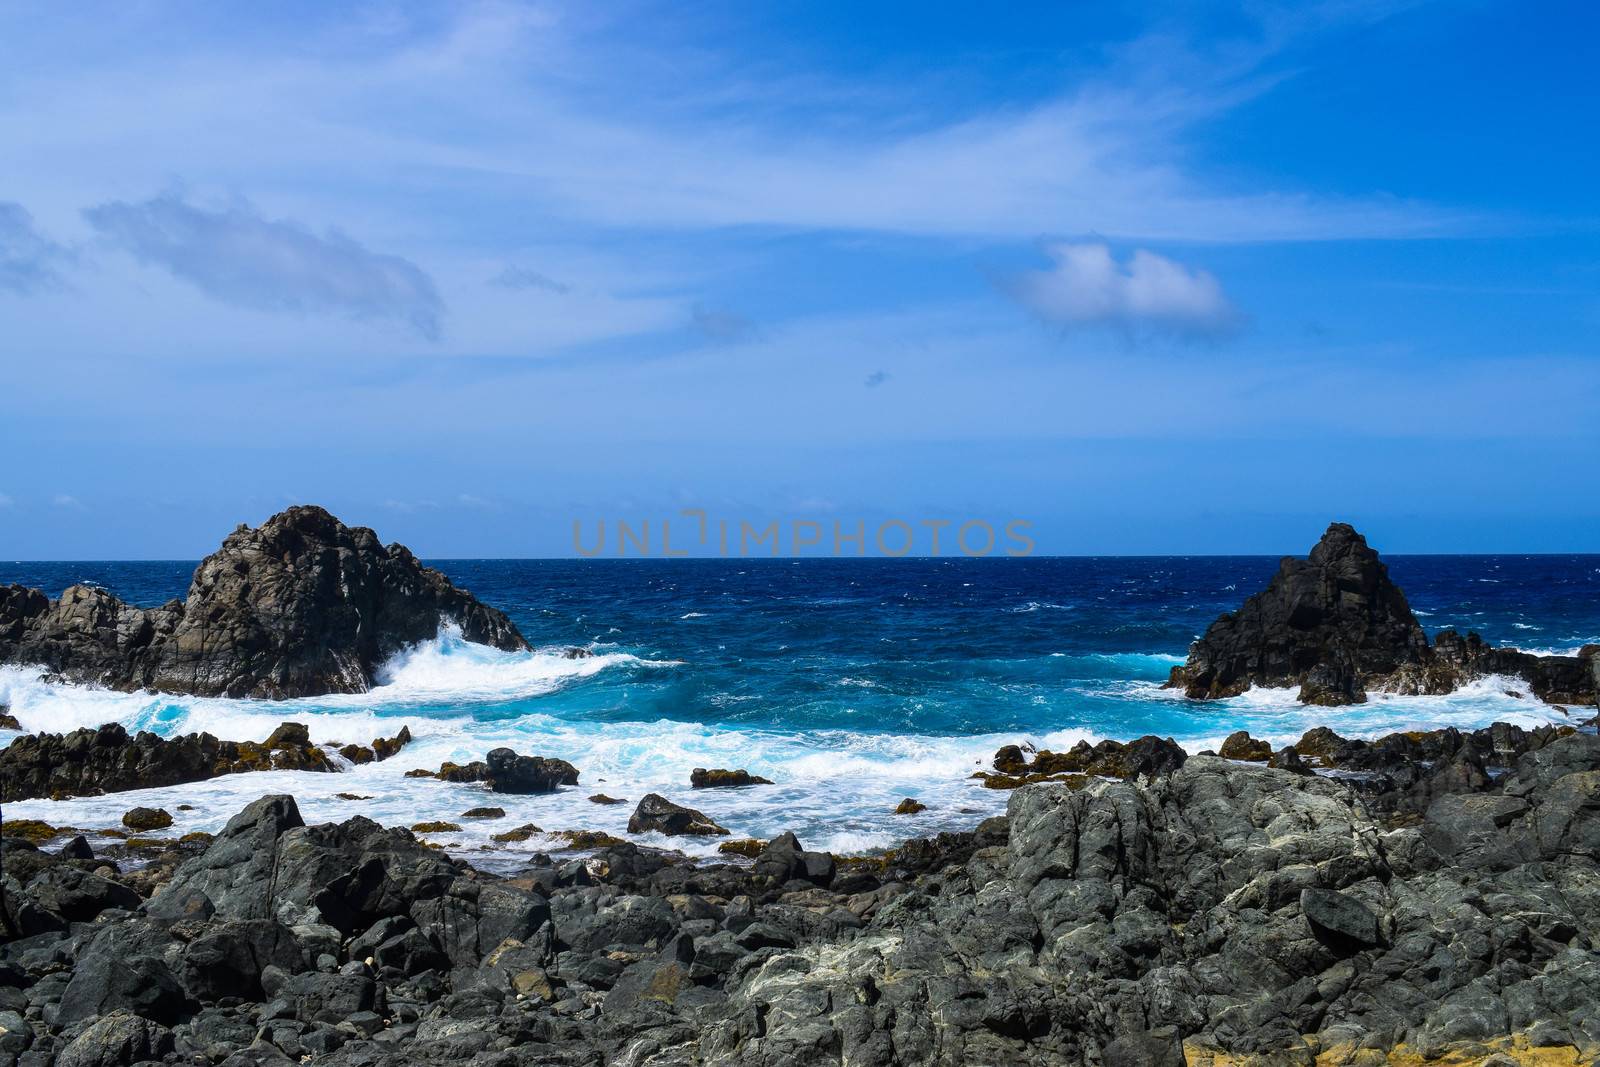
(300, 606)
(1335, 626)
(89, 762)
(1215, 913)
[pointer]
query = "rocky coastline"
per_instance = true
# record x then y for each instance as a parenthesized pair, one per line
(1424, 897)
(1419, 898)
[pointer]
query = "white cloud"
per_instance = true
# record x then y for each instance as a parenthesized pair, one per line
(1088, 287)
(70, 503)
(565, 117)
(238, 257)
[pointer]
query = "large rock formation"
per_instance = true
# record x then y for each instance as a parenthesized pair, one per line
(1212, 913)
(300, 606)
(1335, 625)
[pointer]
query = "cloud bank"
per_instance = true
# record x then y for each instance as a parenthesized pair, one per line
(1087, 287)
(238, 257)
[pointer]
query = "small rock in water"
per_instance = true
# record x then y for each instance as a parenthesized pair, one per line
(435, 827)
(701, 778)
(507, 772)
(147, 819)
(910, 806)
(656, 813)
(484, 813)
(521, 833)
(601, 798)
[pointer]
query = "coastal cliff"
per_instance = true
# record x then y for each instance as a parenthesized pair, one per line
(302, 605)
(1335, 625)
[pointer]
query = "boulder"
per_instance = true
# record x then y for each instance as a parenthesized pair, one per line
(656, 813)
(144, 819)
(300, 606)
(116, 1039)
(1339, 919)
(507, 772)
(1240, 745)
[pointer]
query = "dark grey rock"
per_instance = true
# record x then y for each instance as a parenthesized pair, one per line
(299, 606)
(656, 813)
(1339, 918)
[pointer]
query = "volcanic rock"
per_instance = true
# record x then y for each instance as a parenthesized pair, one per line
(701, 778)
(655, 812)
(1335, 626)
(507, 772)
(299, 606)
(1240, 745)
(88, 762)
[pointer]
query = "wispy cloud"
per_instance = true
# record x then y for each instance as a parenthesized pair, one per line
(29, 261)
(526, 278)
(68, 502)
(876, 378)
(6, 501)
(561, 115)
(238, 257)
(1086, 286)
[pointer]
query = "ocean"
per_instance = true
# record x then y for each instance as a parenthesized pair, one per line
(851, 683)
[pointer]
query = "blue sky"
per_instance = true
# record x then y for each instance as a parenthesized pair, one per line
(468, 272)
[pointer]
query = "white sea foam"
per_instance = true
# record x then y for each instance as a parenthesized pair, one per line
(836, 788)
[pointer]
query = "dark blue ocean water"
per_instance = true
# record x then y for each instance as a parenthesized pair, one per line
(850, 682)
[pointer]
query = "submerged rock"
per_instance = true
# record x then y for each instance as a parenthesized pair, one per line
(300, 606)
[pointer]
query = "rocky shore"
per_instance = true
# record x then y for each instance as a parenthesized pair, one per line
(1421, 898)
(1335, 625)
(300, 606)
(106, 760)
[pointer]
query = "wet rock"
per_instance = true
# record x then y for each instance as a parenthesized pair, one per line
(300, 606)
(483, 813)
(106, 760)
(1335, 625)
(521, 833)
(142, 819)
(910, 806)
(508, 772)
(601, 798)
(8, 721)
(658, 814)
(436, 828)
(701, 778)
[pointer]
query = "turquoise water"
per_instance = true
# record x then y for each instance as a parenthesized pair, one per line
(850, 683)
